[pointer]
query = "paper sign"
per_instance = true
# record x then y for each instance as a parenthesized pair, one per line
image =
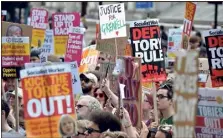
(214, 44)
(48, 45)
(146, 44)
(112, 21)
(47, 95)
(209, 119)
(122, 87)
(204, 72)
(174, 42)
(39, 22)
(185, 94)
(74, 45)
(133, 89)
(188, 23)
(89, 59)
(61, 23)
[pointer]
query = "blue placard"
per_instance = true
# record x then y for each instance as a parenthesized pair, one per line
(144, 5)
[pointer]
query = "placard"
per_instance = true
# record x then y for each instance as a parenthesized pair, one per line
(39, 22)
(146, 44)
(174, 43)
(203, 73)
(190, 9)
(47, 95)
(214, 44)
(185, 94)
(132, 101)
(74, 45)
(61, 23)
(112, 21)
(209, 117)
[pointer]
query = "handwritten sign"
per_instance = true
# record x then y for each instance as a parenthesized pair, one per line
(214, 45)
(185, 97)
(133, 89)
(174, 42)
(39, 22)
(209, 113)
(61, 24)
(112, 21)
(47, 96)
(187, 23)
(74, 45)
(146, 44)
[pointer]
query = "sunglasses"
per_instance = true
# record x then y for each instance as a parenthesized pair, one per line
(101, 58)
(80, 106)
(91, 130)
(101, 95)
(160, 96)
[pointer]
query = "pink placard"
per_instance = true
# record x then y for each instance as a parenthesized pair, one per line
(74, 48)
(39, 18)
(63, 21)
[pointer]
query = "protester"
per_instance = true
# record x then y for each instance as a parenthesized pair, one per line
(194, 42)
(5, 114)
(164, 131)
(88, 82)
(67, 126)
(85, 105)
(116, 134)
(11, 98)
(81, 128)
(147, 106)
(9, 84)
(100, 96)
(35, 55)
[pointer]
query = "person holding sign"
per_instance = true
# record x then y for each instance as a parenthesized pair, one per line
(67, 126)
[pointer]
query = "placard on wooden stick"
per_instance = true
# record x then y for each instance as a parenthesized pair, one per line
(185, 96)
(131, 78)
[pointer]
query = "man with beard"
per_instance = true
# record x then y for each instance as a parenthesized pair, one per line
(88, 82)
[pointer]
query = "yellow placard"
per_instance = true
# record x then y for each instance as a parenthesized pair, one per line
(60, 43)
(38, 36)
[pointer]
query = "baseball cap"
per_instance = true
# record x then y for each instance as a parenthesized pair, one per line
(90, 76)
(19, 90)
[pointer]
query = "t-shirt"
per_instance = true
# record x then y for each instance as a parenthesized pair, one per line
(168, 121)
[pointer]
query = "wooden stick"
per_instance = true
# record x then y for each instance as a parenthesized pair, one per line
(16, 106)
(3, 92)
(155, 103)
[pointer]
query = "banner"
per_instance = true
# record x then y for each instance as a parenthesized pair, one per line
(174, 43)
(131, 78)
(108, 45)
(146, 44)
(89, 59)
(112, 21)
(39, 22)
(74, 45)
(188, 23)
(48, 44)
(185, 96)
(214, 45)
(15, 53)
(209, 117)
(61, 23)
(4, 15)
(47, 95)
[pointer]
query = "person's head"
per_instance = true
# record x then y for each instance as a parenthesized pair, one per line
(5, 111)
(165, 95)
(11, 97)
(35, 55)
(81, 128)
(102, 121)
(88, 82)
(67, 126)
(10, 84)
(203, 53)
(162, 28)
(116, 134)
(194, 42)
(100, 96)
(164, 131)
(14, 30)
(85, 105)
(147, 104)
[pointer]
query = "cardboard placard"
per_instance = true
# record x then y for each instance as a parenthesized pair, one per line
(61, 23)
(190, 9)
(209, 117)
(174, 42)
(185, 94)
(108, 45)
(146, 44)
(131, 78)
(112, 21)
(39, 22)
(89, 59)
(214, 44)
(47, 94)
(74, 45)
(15, 53)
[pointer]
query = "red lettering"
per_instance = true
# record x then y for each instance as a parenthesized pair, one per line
(212, 41)
(136, 34)
(145, 33)
(153, 31)
(220, 40)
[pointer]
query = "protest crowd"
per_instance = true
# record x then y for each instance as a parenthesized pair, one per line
(134, 80)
